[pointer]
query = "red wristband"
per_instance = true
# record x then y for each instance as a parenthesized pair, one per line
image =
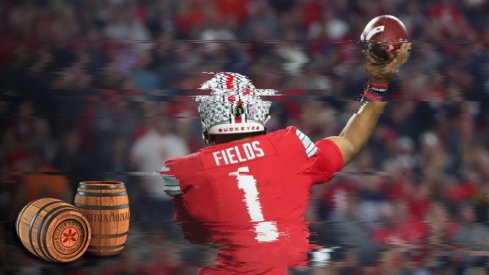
(379, 86)
(375, 91)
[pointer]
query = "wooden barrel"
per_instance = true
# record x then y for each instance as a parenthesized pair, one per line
(53, 230)
(106, 206)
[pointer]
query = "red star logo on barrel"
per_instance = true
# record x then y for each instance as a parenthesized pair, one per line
(70, 236)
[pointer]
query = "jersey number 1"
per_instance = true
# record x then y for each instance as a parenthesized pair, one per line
(266, 231)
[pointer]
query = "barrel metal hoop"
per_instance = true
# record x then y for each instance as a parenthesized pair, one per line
(110, 235)
(32, 224)
(97, 207)
(46, 229)
(21, 214)
(54, 216)
(100, 187)
(106, 247)
(90, 194)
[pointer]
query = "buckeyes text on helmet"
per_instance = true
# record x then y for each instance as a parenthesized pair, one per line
(234, 105)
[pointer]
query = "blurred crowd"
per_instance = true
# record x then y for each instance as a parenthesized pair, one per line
(102, 90)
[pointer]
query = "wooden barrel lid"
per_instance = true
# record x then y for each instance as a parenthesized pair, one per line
(100, 185)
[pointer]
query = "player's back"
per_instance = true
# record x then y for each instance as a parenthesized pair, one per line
(251, 194)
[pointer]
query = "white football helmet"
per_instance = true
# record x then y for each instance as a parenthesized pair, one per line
(234, 105)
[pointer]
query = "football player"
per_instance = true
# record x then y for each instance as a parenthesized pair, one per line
(247, 192)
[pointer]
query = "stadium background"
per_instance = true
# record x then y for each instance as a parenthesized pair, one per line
(88, 88)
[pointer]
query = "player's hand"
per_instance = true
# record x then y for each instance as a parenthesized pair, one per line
(384, 71)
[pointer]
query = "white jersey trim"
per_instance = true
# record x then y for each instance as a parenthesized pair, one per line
(171, 185)
(309, 146)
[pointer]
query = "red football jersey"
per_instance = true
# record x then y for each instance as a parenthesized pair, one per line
(249, 197)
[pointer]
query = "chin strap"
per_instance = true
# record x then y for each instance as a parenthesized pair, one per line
(208, 139)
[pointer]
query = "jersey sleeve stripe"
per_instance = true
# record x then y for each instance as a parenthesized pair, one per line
(164, 170)
(172, 188)
(313, 152)
(173, 193)
(299, 134)
(170, 180)
(309, 146)
(171, 184)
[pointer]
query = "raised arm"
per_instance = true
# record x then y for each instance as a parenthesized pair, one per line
(360, 126)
